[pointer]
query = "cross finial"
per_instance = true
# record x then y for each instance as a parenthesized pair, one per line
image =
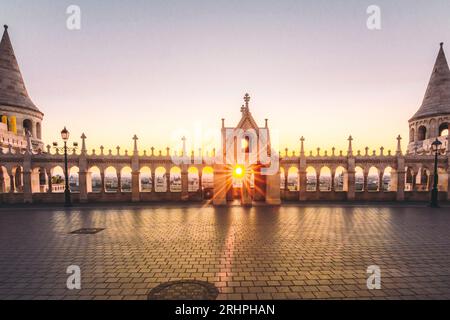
(6, 27)
(350, 147)
(247, 100)
(399, 145)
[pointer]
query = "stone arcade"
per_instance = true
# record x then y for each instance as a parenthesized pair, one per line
(27, 167)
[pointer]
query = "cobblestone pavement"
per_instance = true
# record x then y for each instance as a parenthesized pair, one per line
(315, 252)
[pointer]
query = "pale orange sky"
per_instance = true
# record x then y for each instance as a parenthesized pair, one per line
(158, 68)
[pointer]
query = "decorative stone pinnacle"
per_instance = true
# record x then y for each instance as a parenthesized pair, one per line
(302, 146)
(5, 26)
(442, 44)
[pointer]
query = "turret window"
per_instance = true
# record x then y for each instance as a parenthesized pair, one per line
(27, 126)
(422, 133)
(443, 130)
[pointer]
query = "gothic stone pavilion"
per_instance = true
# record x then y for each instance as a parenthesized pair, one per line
(31, 173)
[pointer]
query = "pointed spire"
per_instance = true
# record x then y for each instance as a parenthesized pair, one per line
(12, 87)
(437, 96)
(135, 149)
(302, 146)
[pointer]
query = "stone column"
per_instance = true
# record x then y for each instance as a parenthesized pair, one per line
(380, 181)
(119, 181)
(135, 173)
(366, 181)
(83, 171)
(220, 185)
(318, 181)
(82, 177)
(2, 181)
(302, 179)
(48, 173)
(168, 191)
(333, 174)
(200, 182)
(184, 183)
(286, 176)
(27, 192)
(153, 175)
(11, 183)
(273, 194)
(401, 177)
(351, 179)
(135, 189)
(102, 177)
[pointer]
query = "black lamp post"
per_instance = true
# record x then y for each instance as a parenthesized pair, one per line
(434, 192)
(65, 136)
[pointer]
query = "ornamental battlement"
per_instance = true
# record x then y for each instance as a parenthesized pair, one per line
(244, 168)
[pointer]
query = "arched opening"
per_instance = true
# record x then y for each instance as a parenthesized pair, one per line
(38, 131)
(175, 179)
(422, 133)
(293, 179)
(359, 179)
(208, 178)
(4, 120)
(58, 181)
(160, 180)
(5, 181)
(145, 179)
(411, 134)
(18, 179)
(208, 182)
(282, 179)
(443, 130)
(410, 179)
(27, 126)
(423, 180)
(340, 180)
(311, 179)
(38, 180)
(94, 180)
(388, 184)
(373, 180)
(193, 180)
(325, 180)
(443, 179)
(111, 180)
(74, 179)
(125, 179)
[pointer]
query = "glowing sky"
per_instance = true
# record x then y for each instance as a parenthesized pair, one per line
(156, 68)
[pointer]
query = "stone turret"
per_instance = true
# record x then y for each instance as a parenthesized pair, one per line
(18, 113)
(432, 118)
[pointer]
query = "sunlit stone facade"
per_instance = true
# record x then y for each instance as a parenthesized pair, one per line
(29, 170)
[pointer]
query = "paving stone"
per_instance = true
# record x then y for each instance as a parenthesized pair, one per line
(291, 252)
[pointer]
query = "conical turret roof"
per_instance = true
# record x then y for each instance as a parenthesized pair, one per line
(12, 87)
(437, 97)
